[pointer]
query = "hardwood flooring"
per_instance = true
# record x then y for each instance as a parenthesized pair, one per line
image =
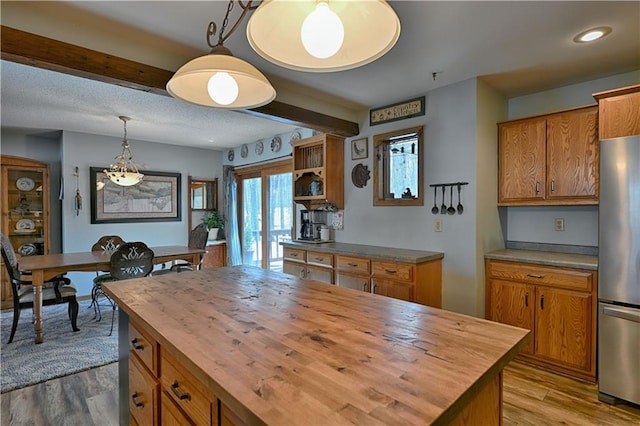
(531, 397)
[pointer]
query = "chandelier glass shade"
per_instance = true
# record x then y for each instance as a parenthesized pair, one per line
(124, 171)
(275, 32)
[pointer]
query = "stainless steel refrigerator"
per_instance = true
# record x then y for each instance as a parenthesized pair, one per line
(619, 270)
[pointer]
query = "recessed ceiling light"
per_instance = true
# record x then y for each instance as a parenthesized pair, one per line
(592, 35)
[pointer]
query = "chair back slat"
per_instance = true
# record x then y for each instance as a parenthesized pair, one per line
(198, 237)
(131, 260)
(108, 244)
(9, 258)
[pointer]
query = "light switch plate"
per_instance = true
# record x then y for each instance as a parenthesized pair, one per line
(558, 224)
(437, 225)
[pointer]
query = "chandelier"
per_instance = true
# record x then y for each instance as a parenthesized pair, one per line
(219, 79)
(124, 171)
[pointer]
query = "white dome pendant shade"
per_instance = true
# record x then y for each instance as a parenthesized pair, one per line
(371, 29)
(245, 87)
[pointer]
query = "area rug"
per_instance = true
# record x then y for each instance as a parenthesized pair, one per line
(63, 352)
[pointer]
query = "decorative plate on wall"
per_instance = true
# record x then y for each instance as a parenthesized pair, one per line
(276, 144)
(360, 175)
(295, 136)
(230, 155)
(259, 148)
(244, 151)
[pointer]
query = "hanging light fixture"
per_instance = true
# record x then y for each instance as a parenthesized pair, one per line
(124, 171)
(323, 35)
(219, 79)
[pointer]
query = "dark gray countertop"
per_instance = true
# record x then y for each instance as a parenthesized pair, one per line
(371, 252)
(567, 260)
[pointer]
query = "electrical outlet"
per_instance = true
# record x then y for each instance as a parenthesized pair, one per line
(437, 225)
(558, 224)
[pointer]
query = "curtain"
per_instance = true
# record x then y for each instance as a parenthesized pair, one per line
(234, 254)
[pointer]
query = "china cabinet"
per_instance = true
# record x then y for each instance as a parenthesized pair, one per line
(25, 211)
(549, 160)
(318, 171)
(619, 113)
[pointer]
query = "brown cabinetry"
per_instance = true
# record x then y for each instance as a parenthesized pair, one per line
(25, 212)
(308, 264)
(353, 272)
(557, 304)
(144, 387)
(318, 171)
(549, 160)
(619, 112)
(215, 255)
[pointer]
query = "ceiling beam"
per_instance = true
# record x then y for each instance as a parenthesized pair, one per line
(42, 52)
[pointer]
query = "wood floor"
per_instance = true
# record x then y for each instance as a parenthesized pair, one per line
(531, 397)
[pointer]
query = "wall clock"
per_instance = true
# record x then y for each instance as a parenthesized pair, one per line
(25, 183)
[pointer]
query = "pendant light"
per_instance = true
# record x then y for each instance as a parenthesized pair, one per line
(323, 35)
(124, 171)
(219, 79)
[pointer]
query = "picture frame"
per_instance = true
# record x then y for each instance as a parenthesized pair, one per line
(398, 111)
(359, 148)
(156, 199)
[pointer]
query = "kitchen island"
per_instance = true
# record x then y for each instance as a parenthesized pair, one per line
(243, 345)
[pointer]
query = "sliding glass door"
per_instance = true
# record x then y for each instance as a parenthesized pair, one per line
(266, 215)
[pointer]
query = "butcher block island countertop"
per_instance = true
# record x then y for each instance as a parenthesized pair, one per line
(276, 349)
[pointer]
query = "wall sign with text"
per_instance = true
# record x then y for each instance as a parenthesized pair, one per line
(399, 111)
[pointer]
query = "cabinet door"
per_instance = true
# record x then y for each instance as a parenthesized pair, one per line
(215, 256)
(563, 327)
(620, 115)
(356, 282)
(320, 274)
(395, 289)
(512, 303)
(143, 393)
(572, 154)
(294, 268)
(522, 160)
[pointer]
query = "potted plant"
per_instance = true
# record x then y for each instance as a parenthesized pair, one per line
(213, 221)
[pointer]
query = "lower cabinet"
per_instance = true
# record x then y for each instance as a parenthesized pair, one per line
(215, 255)
(308, 264)
(557, 304)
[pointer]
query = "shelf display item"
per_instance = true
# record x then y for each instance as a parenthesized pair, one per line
(25, 183)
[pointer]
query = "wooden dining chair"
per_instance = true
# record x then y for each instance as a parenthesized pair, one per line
(197, 239)
(55, 291)
(106, 244)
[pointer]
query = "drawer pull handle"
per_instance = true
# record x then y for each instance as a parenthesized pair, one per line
(526, 299)
(353, 265)
(542, 302)
(294, 254)
(135, 345)
(181, 396)
(136, 403)
(319, 259)
(390, 271)
(535, 276)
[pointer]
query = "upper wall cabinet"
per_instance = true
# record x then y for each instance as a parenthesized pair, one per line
(549, 160)
(318, 171)
(619, 113)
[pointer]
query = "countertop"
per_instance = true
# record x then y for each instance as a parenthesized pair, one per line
(371, 252)
(284, 350)
(567, 260)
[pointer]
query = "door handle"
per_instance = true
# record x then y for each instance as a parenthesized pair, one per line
(526, 299)
(620, 313)
(542, 302)
(537, 187)
(553, 185)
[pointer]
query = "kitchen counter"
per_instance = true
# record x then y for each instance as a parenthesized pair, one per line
(278, 350)
(371, 252)
(567, 260)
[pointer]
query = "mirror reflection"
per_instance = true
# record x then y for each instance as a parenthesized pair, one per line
(204, 194)
(398, 168)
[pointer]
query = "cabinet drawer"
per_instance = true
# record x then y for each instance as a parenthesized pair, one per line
(186, 391)
(356, 265)
(394, 271)
(228, 417)
(295, 254)
(542, 275)
(171, 415)
(143, 394)
(319, 258)
(145, 347)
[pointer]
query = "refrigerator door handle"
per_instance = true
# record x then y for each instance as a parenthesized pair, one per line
(622, 313)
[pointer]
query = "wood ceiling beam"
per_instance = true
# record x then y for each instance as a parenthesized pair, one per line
(42, 52)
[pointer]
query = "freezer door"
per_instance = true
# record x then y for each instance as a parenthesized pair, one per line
(619, 352)
(619, 220)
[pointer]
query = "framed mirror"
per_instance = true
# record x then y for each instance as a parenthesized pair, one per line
(203, 194)
(397, 168)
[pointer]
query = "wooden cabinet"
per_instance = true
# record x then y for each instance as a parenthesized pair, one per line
(308, 264)
(393, 279)
(557, 304)
(144, 388)
(318, 171)
(549, 160)
(619, 112)
(25, 212)
(353, 272)
(215, 256)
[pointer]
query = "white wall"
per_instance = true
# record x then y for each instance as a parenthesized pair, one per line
(85, 151)
(581, 223)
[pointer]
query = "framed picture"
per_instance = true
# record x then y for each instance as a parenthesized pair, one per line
(155, 199)
(359, 148)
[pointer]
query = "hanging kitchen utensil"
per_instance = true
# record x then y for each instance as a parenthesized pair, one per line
(443, 207)
(459, 208)
(451, 209)
(78, 197)
(435, 208)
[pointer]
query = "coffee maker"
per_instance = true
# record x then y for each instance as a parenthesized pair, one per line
(310, 224)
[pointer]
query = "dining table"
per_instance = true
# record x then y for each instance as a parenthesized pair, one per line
(46, 266)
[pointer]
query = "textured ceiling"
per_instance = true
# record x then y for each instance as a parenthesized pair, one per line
(517, 47)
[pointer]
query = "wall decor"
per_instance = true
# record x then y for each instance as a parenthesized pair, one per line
(244, 151)
(156, 199)
(230, 155)
(359, 148)
(360, 175)
(399, 111)
(259, 148)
